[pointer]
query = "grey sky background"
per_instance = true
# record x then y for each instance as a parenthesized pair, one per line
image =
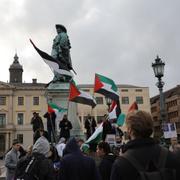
(119, 38)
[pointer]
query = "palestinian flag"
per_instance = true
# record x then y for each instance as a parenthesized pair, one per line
(54, 64)
(115, 110)
(106, 86)
(133, 107)
(81, 97)
(52, 107)
(96, 137)
(121, 119)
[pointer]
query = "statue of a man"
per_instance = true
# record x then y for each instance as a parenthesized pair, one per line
(61, 52)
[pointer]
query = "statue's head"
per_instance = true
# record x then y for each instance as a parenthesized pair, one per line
(61, 27)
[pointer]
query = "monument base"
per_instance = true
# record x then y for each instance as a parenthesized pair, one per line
(58, 93)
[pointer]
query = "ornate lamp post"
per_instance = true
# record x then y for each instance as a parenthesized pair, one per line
(108, 102)
(158, 68)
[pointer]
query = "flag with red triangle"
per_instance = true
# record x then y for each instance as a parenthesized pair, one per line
(106, 86)
(133, 107)
(115, 110)
(79, 96)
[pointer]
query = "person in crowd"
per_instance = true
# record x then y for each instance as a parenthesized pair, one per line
(51, 124)
(39, 133)
(80, 142)
(75, 165)
(60, 146)
(36, 122)
(22, 152)
(142, 148)
(107, 160)
(65, 127)
(107, 127)
(38, 165)
(173, 145)
(11, 159)
(90, 125)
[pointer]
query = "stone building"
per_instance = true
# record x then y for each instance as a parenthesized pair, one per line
(172, 109)
(18, 101)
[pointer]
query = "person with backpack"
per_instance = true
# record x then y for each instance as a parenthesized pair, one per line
(37, 165)
(143, 158)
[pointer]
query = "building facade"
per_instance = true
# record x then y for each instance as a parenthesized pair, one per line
(172, 109)
(19, 100)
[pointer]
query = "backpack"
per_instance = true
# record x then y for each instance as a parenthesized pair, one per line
(153, 170)
(27, 168)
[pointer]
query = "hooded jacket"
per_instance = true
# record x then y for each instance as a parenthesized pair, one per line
(76, 166)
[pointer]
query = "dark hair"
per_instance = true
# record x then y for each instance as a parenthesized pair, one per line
(141, 123)
(105, 146)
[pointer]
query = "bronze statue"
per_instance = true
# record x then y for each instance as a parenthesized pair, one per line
(61, 52)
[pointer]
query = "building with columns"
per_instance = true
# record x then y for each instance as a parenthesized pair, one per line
(18, 101)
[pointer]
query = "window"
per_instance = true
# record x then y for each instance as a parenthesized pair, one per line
(99, 100)
(20, 101)
(125, 100)
(124, 90)
(20, 118)
(2, 120)
(138, 90)
(20, 138)
(35, 100)
(2, 100)
(139, 100)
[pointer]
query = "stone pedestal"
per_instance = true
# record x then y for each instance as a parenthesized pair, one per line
(58, 93)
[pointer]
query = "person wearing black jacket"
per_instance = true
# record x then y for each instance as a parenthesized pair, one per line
(51, 124)
(76, 166)
(36, 122)
(142, 148)
(107, 160)
(65, 126)
(90, 125)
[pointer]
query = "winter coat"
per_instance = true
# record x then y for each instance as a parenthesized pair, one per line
(50, 120)
(143, 150)
(105, 166)
(65, 127)
(75, 165)
(11, 160)
(107, 129)
(37, 123)
(90, 125)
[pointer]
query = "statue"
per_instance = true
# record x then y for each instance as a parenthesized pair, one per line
(61, 52)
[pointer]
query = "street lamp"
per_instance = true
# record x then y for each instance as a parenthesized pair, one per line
(108, 102)
(158, 68)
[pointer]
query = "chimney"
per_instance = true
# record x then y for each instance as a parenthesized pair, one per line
(34, 81)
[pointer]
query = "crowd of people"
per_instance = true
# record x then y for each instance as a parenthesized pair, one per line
(72, 159)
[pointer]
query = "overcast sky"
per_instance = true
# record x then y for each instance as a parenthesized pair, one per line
(116, 38)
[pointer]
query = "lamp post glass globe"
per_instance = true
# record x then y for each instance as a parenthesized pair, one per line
(158, 67)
